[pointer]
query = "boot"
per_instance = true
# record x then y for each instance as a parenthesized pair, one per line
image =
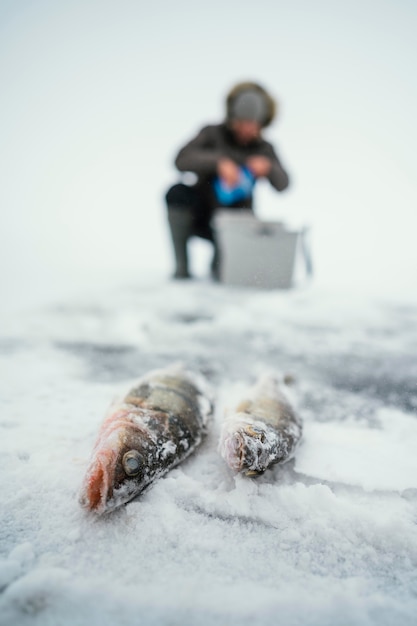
(180, 222)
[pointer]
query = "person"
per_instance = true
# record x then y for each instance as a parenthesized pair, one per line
(227, 158)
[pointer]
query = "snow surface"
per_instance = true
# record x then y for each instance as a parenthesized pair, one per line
(328, 539)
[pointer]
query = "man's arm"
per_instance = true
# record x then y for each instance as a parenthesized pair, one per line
(200, 154)
(277, 176)
(267, 165)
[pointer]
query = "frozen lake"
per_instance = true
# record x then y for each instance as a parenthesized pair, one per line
(328, 539)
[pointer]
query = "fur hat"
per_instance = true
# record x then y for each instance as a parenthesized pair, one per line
(250, 101)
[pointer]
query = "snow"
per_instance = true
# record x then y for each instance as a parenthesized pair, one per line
(328, 538)
(353, 454)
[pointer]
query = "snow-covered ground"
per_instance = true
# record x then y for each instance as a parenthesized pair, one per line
(328, 539)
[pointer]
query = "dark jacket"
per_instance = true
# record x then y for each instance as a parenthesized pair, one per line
(202, 154)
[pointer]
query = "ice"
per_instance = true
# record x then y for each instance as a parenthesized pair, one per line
(328, 538)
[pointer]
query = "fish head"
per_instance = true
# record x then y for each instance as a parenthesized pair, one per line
(119, 469)
(246, 446)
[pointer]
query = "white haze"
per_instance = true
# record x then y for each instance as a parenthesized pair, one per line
(97, 97)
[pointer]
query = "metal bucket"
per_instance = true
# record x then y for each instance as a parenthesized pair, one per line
(256, 253)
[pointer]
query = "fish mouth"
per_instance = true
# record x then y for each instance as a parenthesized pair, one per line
(97, 488)
(246, 450)
(233, 451)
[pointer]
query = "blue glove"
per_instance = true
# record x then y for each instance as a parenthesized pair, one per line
(227, 195)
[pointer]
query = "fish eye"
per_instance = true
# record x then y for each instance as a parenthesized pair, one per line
(132, 462)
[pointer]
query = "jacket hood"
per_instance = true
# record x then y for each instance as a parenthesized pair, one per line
(271, 104)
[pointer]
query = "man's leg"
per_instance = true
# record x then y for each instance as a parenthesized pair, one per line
(180, 222)
(204, 229)
(215, 262)
(181, 201)
(187, 218)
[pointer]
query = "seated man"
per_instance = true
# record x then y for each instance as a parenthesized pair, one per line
(226, 158)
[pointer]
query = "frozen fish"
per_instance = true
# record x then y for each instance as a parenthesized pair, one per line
(154, 427)
(263, 431)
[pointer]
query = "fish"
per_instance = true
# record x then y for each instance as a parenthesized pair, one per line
(155, 426)
(263, 430)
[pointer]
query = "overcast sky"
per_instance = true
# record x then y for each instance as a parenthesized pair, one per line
(97, 96)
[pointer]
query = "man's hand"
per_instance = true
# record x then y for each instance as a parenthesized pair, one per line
(228, 171)
(259, 166)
